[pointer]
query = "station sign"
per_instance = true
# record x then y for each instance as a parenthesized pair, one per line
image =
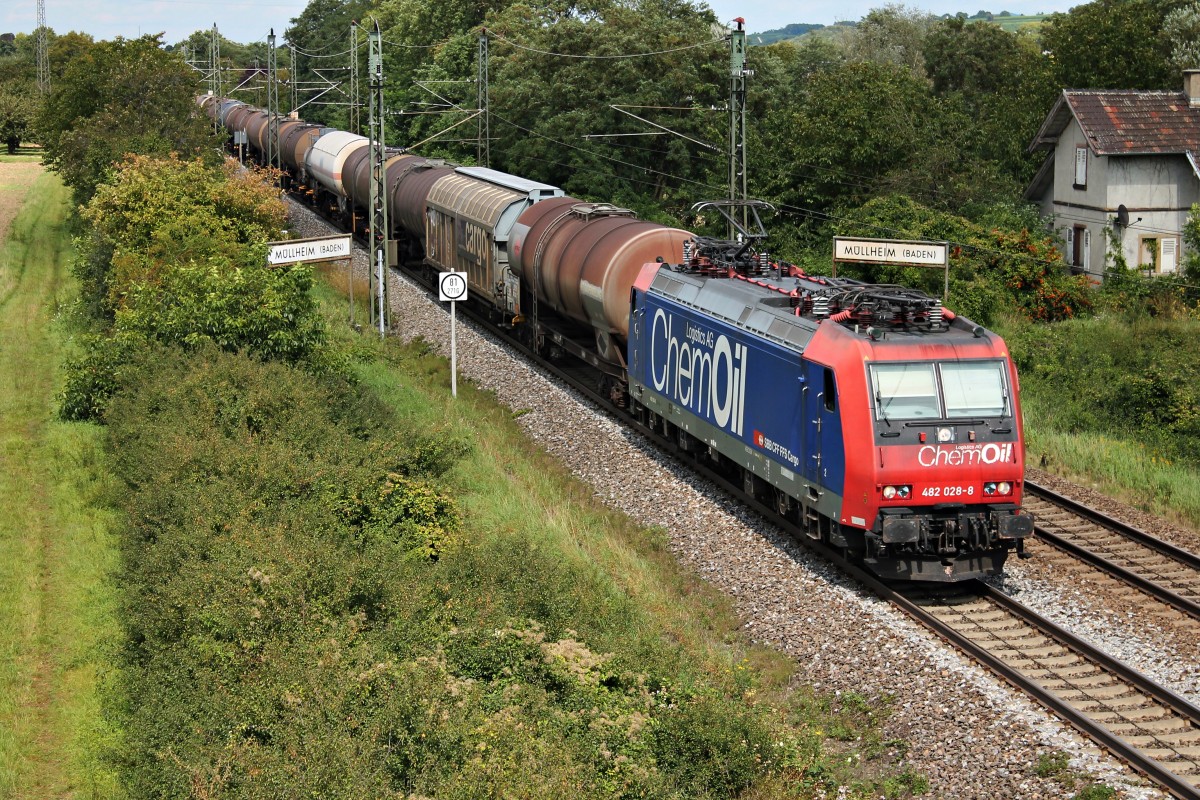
(295, 251)
(891, 251)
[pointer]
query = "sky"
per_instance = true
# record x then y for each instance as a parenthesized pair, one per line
(251, 20)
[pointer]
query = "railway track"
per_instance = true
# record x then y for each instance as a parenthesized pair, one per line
(1130, 557)
(1150, 728)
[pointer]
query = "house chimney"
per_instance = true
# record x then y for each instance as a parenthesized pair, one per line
(1191, 86)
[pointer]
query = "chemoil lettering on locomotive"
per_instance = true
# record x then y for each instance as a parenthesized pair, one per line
(964, 455)
(702, 371)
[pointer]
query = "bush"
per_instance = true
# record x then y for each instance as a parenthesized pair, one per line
(1105, 375)
(994, 267)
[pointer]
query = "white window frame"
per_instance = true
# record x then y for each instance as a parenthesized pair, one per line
(1081, 165)
(1168, 254)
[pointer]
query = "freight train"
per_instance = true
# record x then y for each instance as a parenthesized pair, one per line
(871, 417)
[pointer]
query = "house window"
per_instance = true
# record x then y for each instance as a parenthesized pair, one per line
(1079, 243)
(1081, 159)
(1168, 254)
(1159, 255)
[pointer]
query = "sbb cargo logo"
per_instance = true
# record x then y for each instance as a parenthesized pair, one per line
(964, 455)
(775, 448)
(699, 370)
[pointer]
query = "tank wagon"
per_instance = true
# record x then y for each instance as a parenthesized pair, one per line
(874, 419)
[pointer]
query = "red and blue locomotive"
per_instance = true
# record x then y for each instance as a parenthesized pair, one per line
(876, 419)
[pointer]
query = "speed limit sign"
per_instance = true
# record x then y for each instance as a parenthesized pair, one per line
(452, 286)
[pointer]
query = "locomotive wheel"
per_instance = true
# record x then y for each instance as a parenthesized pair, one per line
(783, 503)
(750, 483)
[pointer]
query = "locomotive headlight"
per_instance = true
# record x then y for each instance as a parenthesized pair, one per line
(945, 435)
(1004, 487)
(904, 492)
(989, 487)
(889, 493)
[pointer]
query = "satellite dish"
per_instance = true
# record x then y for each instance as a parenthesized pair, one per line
(1122, 215)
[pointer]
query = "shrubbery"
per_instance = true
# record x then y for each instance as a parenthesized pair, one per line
(176, 255)
(1134, 379)
(306, 617)
(996, 266)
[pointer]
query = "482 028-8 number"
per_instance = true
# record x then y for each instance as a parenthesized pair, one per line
(948, 491)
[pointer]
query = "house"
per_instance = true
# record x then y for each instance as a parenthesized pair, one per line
(1123, 171)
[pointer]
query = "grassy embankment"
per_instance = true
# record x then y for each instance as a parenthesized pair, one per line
(1115, 403)
(56, 554)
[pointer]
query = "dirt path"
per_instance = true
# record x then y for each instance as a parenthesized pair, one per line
(16, 178)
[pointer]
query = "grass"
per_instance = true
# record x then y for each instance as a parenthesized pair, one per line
(56, 557)
(1119, 468)
(507, 484)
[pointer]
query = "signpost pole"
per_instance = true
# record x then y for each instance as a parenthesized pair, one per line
(452, 287)
(453, 353)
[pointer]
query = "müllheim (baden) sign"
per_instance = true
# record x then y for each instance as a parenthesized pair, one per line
(297, 250)
(893, 251)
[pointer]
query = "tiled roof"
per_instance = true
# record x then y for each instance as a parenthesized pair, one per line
(1126, 122)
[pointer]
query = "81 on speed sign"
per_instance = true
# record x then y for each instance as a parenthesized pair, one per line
(452, 286)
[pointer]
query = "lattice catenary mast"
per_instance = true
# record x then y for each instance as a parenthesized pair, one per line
(379, 215)
(737, 114)
(43, 55)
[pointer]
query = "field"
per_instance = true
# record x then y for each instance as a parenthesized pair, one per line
(55, 554)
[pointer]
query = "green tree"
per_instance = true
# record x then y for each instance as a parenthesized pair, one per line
(176, 255)
(1181, 27)
(557, 73)
(1191, 242)
(852, 127)
(123, 96)
(1001, 86)
(894, 34)
(1112, 44)
(156, 214)
(321, 36)
(17, 111)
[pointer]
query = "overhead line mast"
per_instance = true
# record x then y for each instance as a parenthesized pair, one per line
(43, 55)
(737, 116)
(378, 197)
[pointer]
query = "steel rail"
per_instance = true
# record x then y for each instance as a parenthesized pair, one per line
(1177, 785)
(1137, 534)
(1135, 579)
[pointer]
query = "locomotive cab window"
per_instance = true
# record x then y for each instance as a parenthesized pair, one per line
(974, 389)
(949, 390)
(905, 391)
